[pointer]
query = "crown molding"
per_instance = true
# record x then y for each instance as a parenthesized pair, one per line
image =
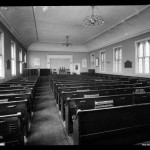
(122, 39)
(11, 29)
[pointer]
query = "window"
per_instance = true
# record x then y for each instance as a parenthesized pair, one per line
(1, 55)
(20, 61)
(103, 61)
(92, 60)
(13, 58)
(25, 57)
(143, 56)
(117, 59)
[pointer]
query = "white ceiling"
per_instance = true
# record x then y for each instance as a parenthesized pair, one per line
(33, 25)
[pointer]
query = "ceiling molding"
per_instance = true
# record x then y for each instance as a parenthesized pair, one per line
(78, 44)
(35, 22)
(123, 39)
(37, 46)
(129, 17)
(11, 29)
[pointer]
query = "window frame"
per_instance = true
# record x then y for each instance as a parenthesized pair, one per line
(114, 61)
(25, 57)
(103, 51)
(13, 59)
(3, 55)
(136, 58)
(20, 60)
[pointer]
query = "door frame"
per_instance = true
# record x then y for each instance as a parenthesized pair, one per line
(60, 56)
(78, 72)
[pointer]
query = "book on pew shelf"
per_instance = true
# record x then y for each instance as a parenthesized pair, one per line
(11, 106)
(3, 100)
(104, 102)
(98, 80)
(137, 91)
(2, 143)
(83, 90)
(142, 91)
(91, 96)
(103, 106)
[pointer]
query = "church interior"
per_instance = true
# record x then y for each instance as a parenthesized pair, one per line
(75, 75)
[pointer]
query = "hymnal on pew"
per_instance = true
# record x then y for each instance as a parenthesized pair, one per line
(3, 100)
(102, 104)
(83, 90)
(91, 96)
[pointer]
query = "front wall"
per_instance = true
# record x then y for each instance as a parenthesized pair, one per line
(77, 58)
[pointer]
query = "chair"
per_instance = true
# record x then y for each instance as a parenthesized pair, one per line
(68, 71)
(54, 72)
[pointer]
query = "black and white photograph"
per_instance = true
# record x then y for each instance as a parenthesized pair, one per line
(75, 75)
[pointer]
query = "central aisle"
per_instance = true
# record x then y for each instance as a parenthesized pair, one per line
(47, 127)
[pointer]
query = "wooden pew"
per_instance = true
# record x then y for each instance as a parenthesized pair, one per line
(86, 93)
(29, 82)
(21, 106)
(123, 89)
(77, 81)
(59, 91)
(128, 124)
(11, 128)
(89, 103)
(17, 97)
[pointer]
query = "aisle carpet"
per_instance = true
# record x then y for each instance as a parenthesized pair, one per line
(47, 127)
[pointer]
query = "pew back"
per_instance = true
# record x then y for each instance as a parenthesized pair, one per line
(116, 125)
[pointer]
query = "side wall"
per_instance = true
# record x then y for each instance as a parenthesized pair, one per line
(7, 52)
(128, 53)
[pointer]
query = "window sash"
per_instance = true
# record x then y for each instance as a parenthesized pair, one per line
(146, 64)
(13, 62)
(103, 60)
(0, 44)
(20, 67)
(13, 52)
(143, 56)
(25, 57)
(118, 59)
(1, 56)
(1, 68)
(13, 58)
(20, 63)
(20, 55)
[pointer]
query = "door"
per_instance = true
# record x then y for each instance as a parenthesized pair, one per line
(76, 68)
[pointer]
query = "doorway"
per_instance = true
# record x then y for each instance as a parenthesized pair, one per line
(76, 68)
(57, 61)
